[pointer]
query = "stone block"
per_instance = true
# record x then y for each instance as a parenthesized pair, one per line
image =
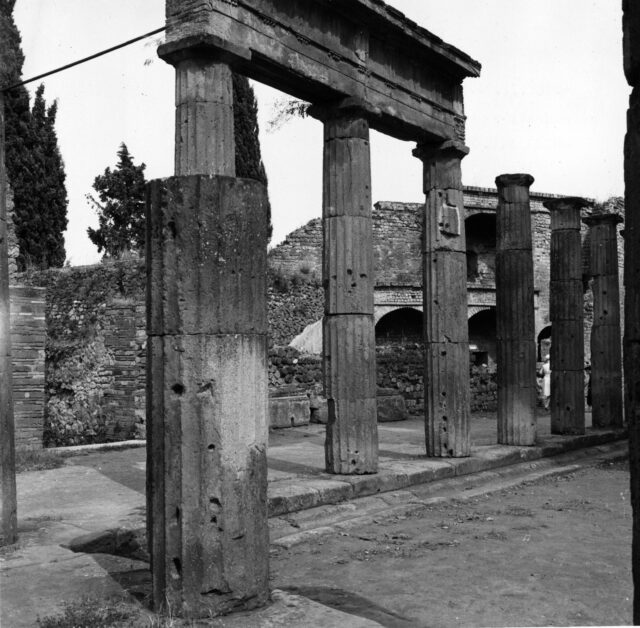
(289, 411)
(391, 408)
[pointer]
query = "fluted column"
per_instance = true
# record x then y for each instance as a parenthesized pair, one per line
(631, 48)
(566, 312)
(8, 503)
(351, 445)
(207, 361)
(606, 350)
(446, 333)
(515, 321)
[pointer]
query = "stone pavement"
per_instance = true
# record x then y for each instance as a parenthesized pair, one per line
(105, 490)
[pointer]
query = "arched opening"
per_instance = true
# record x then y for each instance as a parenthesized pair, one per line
(400, 326)
(544, 343)
(482, 337)
(481, 248)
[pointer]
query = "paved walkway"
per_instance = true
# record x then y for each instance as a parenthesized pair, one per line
(103, 490)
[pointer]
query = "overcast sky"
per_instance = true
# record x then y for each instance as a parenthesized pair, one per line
(551, 101)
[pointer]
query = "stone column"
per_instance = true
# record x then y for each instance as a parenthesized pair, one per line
(515, 321)
(349, 360)
(446, 332)
(631, 48)
(606, 351)
(207, 362)
(566, 312)
(8, 505)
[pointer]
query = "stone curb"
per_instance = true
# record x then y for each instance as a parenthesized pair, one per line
(73, 450)
(402, 503)
(288, 496)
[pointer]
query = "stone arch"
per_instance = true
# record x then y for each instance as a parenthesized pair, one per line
(482, 335)
(402, 324)
(543, 343)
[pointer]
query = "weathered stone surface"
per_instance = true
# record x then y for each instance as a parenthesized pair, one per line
(567, 330)
(289, 411)
(207, 395)
(606, 352)
(631, 41)
(348, 329)
(8, 502)
(207, 250)
(350, 388)
(391, 408)
(515, 323)
(446, 378)
(307, 49)
(204, 116)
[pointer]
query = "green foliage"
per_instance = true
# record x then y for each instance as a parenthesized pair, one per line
(245, 123)
(34, 165)
(120, 207)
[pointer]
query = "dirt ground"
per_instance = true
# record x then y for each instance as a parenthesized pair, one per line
(554, 552)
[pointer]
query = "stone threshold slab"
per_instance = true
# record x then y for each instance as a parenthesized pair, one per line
(292, 495)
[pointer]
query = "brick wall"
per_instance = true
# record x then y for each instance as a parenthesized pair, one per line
(27, 352)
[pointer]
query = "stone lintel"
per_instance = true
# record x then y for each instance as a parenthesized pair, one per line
(350, 108)
(204, 46)
(600, 218)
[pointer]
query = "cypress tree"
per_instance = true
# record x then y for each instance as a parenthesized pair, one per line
(245, 123)
(120, 207)
(34, 165)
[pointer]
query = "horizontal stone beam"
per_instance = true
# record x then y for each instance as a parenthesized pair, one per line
(322, 51)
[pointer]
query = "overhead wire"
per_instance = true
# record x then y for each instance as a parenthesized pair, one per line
(85, 59)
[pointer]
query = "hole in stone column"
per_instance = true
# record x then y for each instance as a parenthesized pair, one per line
(211, 447)
(363, 275)
(354, 284)
(215, 500)
(293, 420)
(349, 271)
(178, 389)
(605, 312)
(451, 452)
(178, 515)
(444, 393)
(436, 302)
(445, 419)
(172, 228)
(178, 566)
(568, 408)
(443, 353)
(444, 428)
(214, 519)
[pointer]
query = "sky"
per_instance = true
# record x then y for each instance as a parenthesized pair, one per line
(551, 101)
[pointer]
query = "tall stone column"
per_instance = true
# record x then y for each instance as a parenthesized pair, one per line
(606, 351)
(566, 312)
(446, 333)
(207, 361)
(8, 504)
(631, 48)
(349, 361)
(515, 321)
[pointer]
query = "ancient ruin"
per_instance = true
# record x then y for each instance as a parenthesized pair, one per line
(515, 330)
(207, 471)
(606, 348)
(566, 313)
(631, 47)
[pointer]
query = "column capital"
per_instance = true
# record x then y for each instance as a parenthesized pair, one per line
(510, 180)
(350, 107)
(566, 202)
(428, 150)
(203, 47)
(599, 218)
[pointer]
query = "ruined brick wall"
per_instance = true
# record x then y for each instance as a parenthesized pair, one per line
(300, 251)
(292, 307)
(27, 353)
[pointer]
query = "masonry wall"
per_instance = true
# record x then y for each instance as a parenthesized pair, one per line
(27, 352)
